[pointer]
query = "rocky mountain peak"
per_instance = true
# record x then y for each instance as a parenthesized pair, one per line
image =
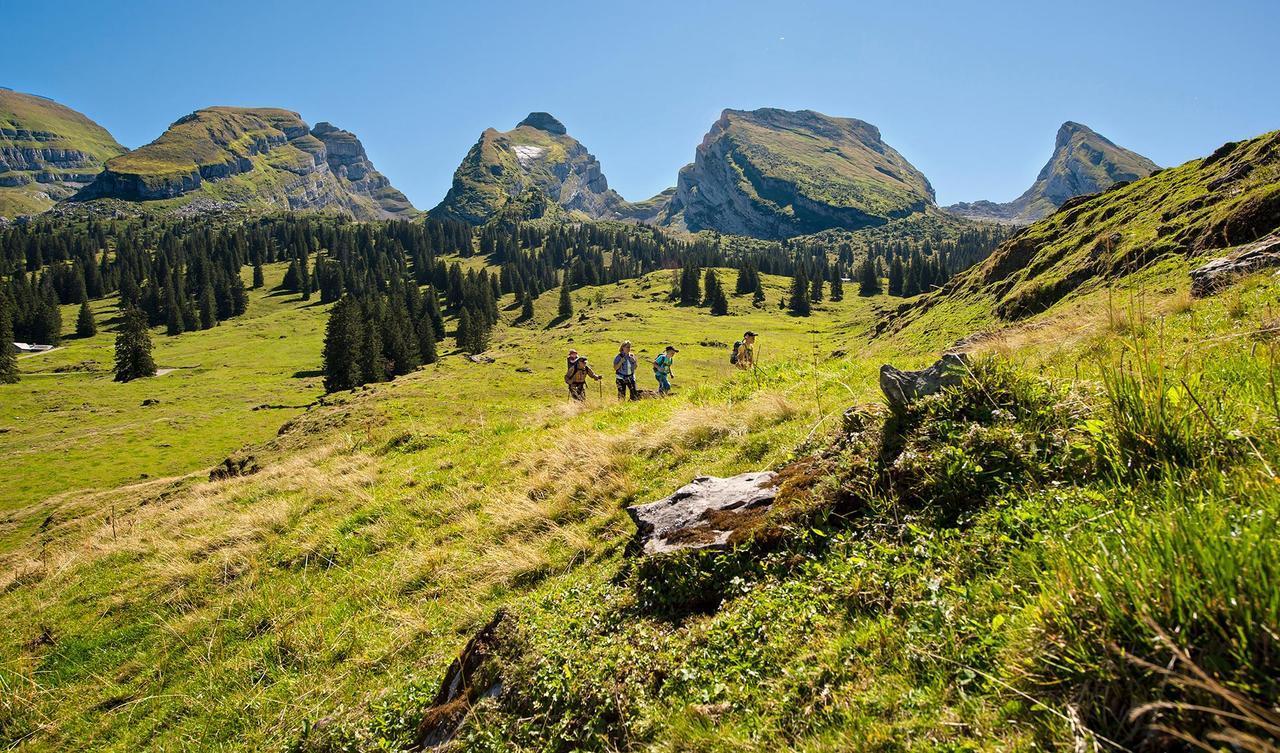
(1083, 162)
(544, 121)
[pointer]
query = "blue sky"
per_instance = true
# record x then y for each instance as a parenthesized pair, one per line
(972, 93)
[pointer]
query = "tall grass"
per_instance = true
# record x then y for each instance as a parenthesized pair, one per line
(1157, 619)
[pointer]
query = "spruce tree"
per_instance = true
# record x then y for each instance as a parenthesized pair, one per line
(463, 335)
(815, 291)
(399, 340)
(373, 363)
(757, 296)
(258, 280)
(868, 278)
(897, 277)
(837, 286)
(566, 301)
(85, 325)
(719, 304)
(343, 340)
(426, 339)
(208, 307)
(799, 303)
(173, 311)
(133, 347)
(710, 285)
(526, 308)
(8, 355)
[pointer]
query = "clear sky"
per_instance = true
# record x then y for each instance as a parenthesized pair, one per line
(971, 93)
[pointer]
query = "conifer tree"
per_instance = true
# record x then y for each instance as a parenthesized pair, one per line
(258, 280)
(85, 325)
(566, 301)
(710, 285)
(399, 340)
(799, 303)
(173, 312)
(757, 296)
(719, 304)
(343, 341)
(815, 291)
(432, 302)
(837, 286)
(526, 308)
(868, 278)
(373, 364)
(133, 347)
(463, 334)
(426, 339)
(897, 277)
(8, 356)
(208, 307)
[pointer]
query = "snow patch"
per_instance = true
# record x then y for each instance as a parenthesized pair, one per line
(528, 154)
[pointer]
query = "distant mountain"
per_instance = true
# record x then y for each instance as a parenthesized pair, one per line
(47, 152)
(533, 169)
(1083, 162)
(252, 157)
(777, 174)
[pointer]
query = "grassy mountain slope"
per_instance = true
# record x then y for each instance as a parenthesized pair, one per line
(1073, 533)
(258, 158)
(772, 173)
(47, 152)
(1083, 162)
(1164, 224)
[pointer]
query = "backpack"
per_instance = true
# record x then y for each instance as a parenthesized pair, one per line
(733, 359)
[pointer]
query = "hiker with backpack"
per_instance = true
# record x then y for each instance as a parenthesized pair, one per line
(744, 351)
(662, 369)
(579, 370)
(624, 370)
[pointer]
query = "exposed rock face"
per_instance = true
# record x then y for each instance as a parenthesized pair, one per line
(47, 152)
(901, 388)
(776, 174)
(1083, 162)
(539, 154)
(255, 157)
(702, 514)
(1219, 273)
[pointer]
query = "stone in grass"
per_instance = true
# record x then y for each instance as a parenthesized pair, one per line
(901, 388)
(1220, 273)
(703, 514)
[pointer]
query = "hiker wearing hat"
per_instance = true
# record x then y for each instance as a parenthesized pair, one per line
(744, 351)
(579, 370)
(624, 370)
(662, 369)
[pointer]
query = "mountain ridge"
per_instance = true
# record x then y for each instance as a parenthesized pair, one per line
(48, 151)
(255, 157)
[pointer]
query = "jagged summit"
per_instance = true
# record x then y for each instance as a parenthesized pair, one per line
(1083, 162)
(544, 121)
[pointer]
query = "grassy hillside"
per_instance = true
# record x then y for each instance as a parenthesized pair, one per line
(49, 151)
(1073, 548)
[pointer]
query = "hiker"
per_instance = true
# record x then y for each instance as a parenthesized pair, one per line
(579, 370)
(624, 370)
(662, 369)
(744, 351)
(569, 362)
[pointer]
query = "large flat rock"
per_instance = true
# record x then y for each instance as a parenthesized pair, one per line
(702, 514)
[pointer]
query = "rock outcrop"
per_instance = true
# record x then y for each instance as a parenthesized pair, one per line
(1219, 273)
(47, 152)
(777, 174)
(254, 157)
(703, 514)
(1083, 162)
(510, 172)
(901, 388)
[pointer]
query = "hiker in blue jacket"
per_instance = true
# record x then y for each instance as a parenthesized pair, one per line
(662, 369)
(624, 370)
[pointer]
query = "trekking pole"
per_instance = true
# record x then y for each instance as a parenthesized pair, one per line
(600, 386)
